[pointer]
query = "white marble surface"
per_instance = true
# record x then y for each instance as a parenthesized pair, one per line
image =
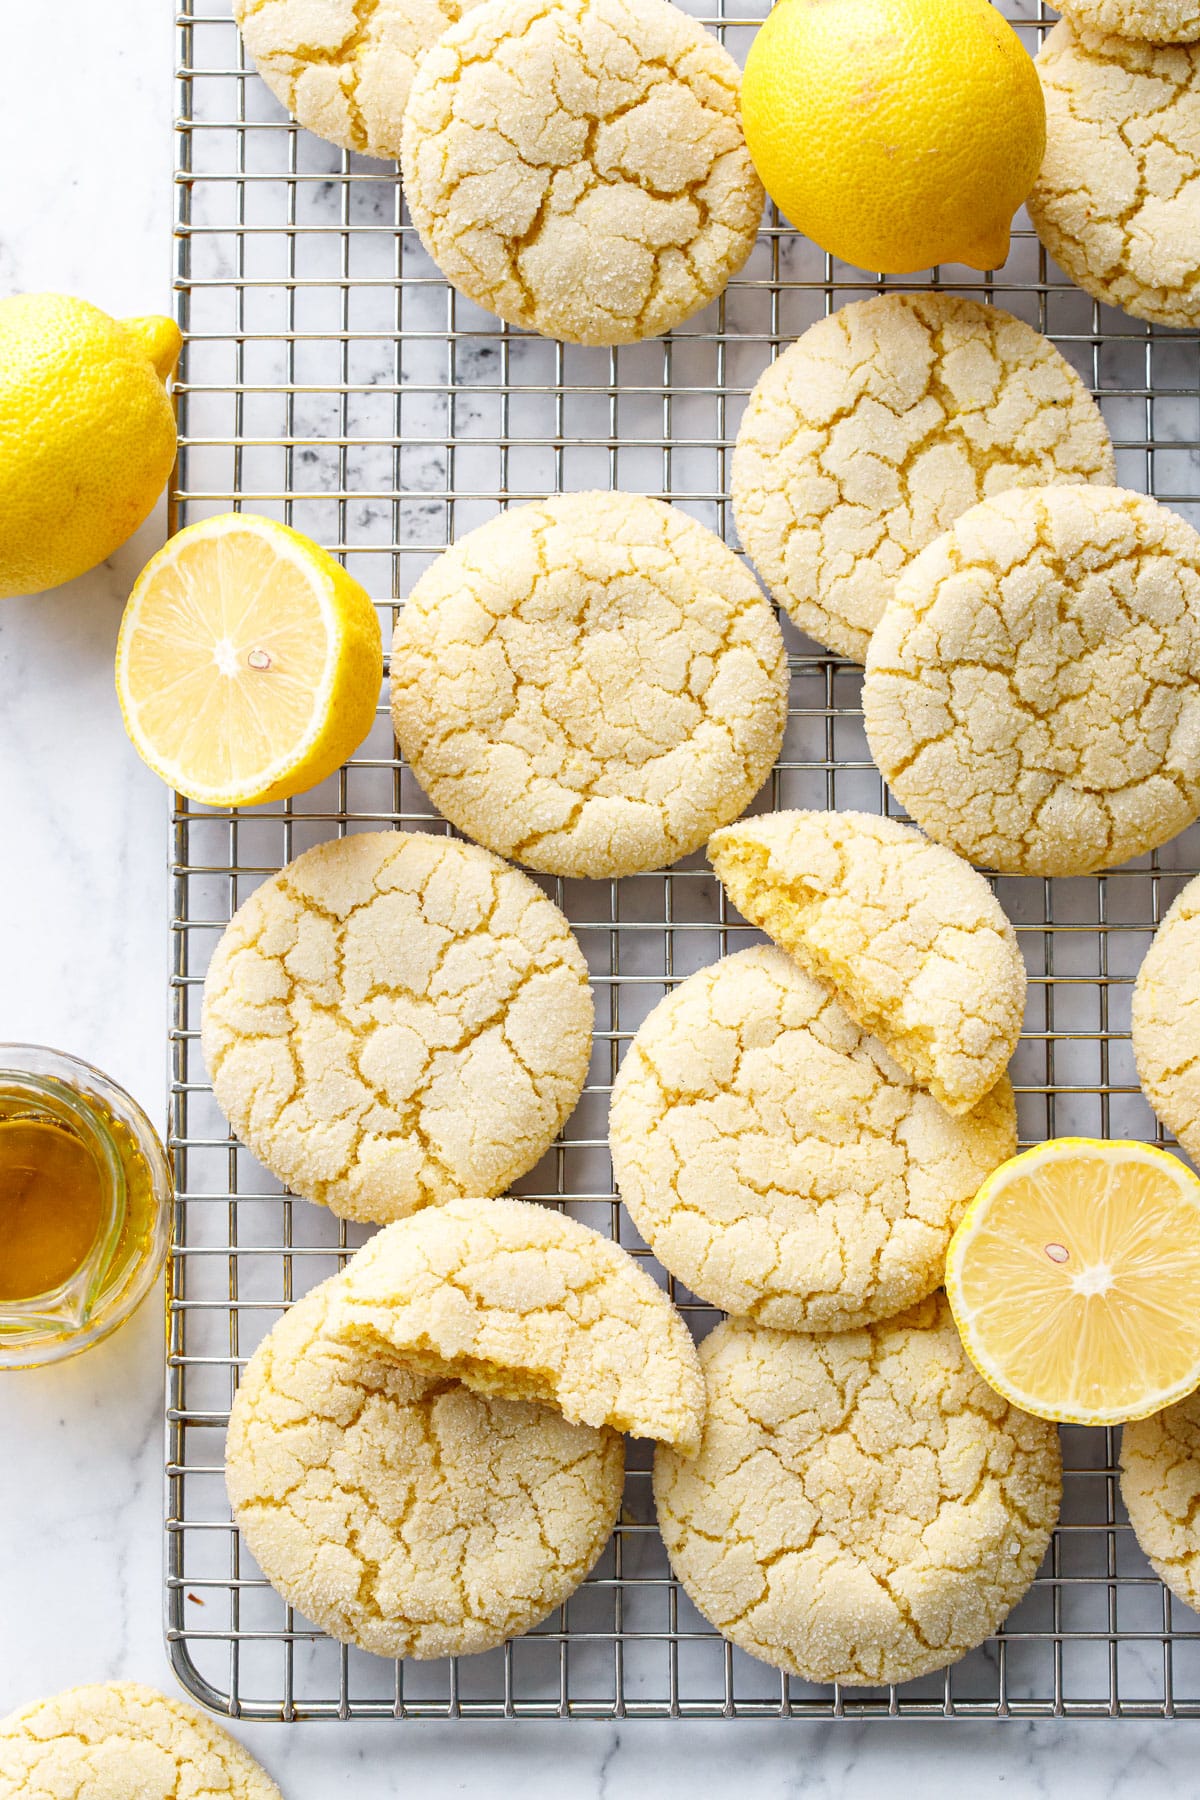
(85, 205)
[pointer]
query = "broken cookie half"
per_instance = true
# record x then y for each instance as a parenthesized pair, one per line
(424, 1455)
(910, 937)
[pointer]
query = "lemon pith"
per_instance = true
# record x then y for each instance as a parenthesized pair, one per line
(249, 662)
(87, 434)
(1074, 1279)
(895, 133)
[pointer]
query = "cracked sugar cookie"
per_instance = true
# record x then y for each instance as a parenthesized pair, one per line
(1166, 1020)
(396, 1019)
(1117, 201)
(402, 1511)
(864, 1508)
(117, 1740)
(590, 684)
(778, 1161)
(1154, 21)
(579, 168)
(517, 1300)
(1160, 1485)
(878, 428)
(911, 938)
(343, 68)
(1031, 692)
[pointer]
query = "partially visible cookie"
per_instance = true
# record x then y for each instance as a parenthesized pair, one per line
(878, 428)
(778, 1161)
(1032, 692)
(344, 68)
(1166, 1020)
(1117, 200)
(395, 1019)
(580, 168)
(404, 1512)
(864, 1508)
(1160, 1485)
(590, 684)
(117, 1740)
(1154, 21)
(517, 1300)
(911, 938)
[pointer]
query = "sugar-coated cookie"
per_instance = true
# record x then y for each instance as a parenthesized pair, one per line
(910, 937)
(879, 427)
(404, 1512)
(1160, 1485)
(396, 1019)
(778, 1161)
(117, 1740)
(864, 1508)
(1032, 691)
(1166, 1020)
(1153, 21)
(344, 68)
(590, 684)
(580, 168)
(1117, 201)
(515, 1299)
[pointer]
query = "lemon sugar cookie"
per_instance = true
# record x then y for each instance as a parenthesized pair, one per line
(914, 943)
(1031, 692)
(396, 1019)
(117, 1740)
(1154, 21)
(878, 428)
(590, 684)
(521, 1301)
(1166, 1020)
(1117, 202)
(864, 1508)
(1160, 1485)
(344, 69)
(404, 1512)
(580, 168)
(778, 1161)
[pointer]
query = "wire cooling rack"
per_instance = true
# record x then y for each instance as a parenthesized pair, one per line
(331, 378)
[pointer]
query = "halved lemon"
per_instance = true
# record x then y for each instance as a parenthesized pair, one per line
(1074, 1279)
(249, 662)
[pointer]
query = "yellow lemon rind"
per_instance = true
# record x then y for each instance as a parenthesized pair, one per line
(1059, 1149)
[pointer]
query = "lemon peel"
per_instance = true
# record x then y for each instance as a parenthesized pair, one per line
(895, 133)
(87, 434)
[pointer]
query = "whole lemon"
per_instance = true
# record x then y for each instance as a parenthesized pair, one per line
(87, 434)
(895, 133)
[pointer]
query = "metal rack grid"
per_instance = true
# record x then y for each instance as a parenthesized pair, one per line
(331, 378)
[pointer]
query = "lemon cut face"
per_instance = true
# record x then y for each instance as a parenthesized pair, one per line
(249, 663)
(1074, 1279)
